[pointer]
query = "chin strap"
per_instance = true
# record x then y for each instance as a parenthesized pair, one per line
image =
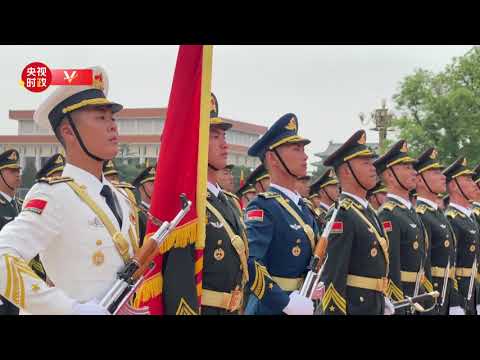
(79, 138)
(461, 191)
(428, 186)
(355, 177)
(284, 165)
(146, 194)
(212, 167)
(398, 181)
(6, 183)
(326, 193)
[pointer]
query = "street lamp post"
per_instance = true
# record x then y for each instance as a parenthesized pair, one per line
(382, 119)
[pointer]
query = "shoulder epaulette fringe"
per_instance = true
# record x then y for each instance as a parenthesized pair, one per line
(55, 180)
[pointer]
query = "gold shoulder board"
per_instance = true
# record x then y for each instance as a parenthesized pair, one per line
(421, 209)
(124, 185)
(269, 195)
(346, 203)
(389, 205)
(231, 195)
(54, 180)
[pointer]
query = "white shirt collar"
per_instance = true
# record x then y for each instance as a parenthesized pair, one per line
(407, 203)
(215, 189)
(477, 204)
(460, 208)
(7, 197)
(85, 178)
(145, 204)
(324, 206)
(294, 196)
(428, 202)
(359, 199)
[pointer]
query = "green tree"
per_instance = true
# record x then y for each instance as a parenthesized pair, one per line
(443, 109)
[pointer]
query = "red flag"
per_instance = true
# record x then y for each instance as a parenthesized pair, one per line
(242, 182)
(181, 168)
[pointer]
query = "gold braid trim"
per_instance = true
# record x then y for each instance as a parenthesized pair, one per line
(427, 285)
(15, 289)
(259, 284)
(333, 296)
(394, 292)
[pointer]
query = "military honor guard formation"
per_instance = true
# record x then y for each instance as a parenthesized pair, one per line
(373, 235)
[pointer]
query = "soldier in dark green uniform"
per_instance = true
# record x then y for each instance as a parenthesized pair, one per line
(377, 196)
(110, 171)
(225, 178)
(431, 182)
(259, 178)
(462, 190)
(356, 267)
(324, 193)
(409, 243)
(144, 185)
(246, 193)
(225, 255)
(10, 205)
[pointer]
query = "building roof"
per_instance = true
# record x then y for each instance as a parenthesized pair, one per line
(148, 113)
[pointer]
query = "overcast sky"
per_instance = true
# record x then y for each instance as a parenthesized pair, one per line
(325, 86)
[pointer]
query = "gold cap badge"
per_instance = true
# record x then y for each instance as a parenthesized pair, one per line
(464, 162)
(363, 139)
(434, 154)
(13, 156)
(292, 124)
(404, 148)
(98, 82)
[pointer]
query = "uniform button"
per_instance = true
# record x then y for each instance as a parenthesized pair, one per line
(99, 242)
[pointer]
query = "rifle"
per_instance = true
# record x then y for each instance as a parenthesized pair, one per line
(413, 301)
(318, 260)
(445, 282)
(131, 276)
(472, 278)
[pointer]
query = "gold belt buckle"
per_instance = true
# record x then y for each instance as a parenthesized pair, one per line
(235, 300)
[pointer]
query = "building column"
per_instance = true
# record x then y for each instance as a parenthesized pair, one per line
(38, 163)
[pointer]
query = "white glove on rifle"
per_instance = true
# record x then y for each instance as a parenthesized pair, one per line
(478, 309)
(89, 308)
(299, 305)
(389, 308)
(456, 310)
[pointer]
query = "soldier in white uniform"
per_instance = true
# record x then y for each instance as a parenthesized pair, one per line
(79, 223)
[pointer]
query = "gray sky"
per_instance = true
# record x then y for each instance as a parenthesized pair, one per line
(325, 86)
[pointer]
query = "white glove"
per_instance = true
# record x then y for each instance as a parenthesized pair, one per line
(89, 308)
(299, 305)
(478, 309)
(456, 310)
(319, 292)
(389, 308)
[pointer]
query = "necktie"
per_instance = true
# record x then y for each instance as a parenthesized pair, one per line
(109, 198)
(14, 205)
